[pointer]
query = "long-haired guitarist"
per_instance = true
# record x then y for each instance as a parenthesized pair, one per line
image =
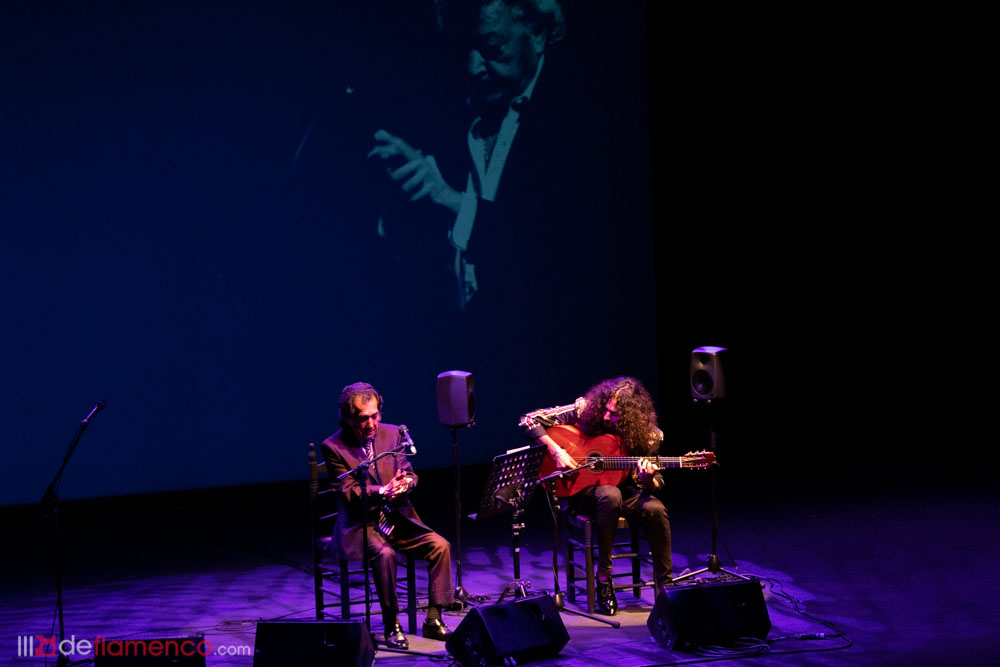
(615, 416)
(393, 525)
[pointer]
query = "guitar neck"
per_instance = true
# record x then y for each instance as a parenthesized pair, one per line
(630, 462)
(547, 417)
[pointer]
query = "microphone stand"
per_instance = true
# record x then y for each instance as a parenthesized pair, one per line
(558, 596)
(50, 503)
(360, 474)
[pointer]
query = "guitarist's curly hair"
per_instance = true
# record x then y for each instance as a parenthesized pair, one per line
(636, 415)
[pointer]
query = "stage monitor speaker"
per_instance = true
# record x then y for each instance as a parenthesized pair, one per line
(313, 644)
(707, 379)
(456, 398)
(521, 630)
(185, 651)
(685, 617)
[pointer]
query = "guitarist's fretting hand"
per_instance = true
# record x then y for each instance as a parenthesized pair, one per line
(646, 471)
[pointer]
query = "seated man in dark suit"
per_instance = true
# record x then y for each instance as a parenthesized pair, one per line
(393, 524)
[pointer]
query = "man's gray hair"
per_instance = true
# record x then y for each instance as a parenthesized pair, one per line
(463, 15)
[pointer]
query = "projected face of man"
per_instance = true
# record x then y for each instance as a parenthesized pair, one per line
(503, 54)
(365, 418)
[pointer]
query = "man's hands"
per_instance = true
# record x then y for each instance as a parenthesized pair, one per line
(397, 486)
(419, 175)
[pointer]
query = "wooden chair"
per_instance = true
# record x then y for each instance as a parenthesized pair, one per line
(581, 541)
(347, 575)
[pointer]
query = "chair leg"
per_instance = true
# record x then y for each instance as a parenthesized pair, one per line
(636, 562)
(345, 591)
(588, 549)
(411, 594)
(570, 564)
(318, 584)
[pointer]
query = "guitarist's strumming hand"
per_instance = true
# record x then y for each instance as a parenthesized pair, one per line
(561, 457)
(646, 471)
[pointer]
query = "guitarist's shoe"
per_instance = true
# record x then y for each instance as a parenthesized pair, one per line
(607, 603)
(395, 638)
(435, 629)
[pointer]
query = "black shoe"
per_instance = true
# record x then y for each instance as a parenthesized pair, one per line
(394, 638)
(435, 629)
(607, 603)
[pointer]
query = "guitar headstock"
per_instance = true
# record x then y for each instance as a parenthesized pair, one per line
(702, 459)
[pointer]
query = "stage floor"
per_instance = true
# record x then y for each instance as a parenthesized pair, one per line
(907, 576)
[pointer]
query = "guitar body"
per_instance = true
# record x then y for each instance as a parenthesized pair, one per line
(581, 447)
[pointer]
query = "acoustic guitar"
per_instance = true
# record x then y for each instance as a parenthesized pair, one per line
(610, 461)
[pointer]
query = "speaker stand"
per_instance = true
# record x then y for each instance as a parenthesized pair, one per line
(714, 565)
(462, 597)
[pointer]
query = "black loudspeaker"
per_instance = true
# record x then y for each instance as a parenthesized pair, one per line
(456, 398)
(523, 629)
(313, 643)
(685, 617)
(189, 651)
(707, 379)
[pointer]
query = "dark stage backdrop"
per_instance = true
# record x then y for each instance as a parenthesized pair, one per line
(191, 233)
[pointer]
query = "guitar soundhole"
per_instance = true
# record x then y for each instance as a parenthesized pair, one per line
(598, 462)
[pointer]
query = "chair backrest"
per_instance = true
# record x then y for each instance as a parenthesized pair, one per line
(322, 501)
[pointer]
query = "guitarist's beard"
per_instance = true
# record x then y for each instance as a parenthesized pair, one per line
(612, 428)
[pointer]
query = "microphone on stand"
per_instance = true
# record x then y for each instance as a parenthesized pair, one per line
(409, 449)
(97, 408)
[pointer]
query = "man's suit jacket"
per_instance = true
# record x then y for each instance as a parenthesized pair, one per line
(341, 455)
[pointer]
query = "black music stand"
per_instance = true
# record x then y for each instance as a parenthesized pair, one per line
(510, 486)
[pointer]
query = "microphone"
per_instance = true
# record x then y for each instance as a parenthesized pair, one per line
(97, 408)
(409, 448)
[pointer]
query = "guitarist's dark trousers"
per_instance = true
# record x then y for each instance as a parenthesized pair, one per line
(420, 545)
(606, 503)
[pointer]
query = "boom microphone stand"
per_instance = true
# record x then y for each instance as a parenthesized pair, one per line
(360, 473)
(50, 502)
(558, 596)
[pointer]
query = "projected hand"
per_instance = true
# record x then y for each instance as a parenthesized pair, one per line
(419, 173)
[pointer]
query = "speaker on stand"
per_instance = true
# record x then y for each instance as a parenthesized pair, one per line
(456, 405)
(708, 384)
